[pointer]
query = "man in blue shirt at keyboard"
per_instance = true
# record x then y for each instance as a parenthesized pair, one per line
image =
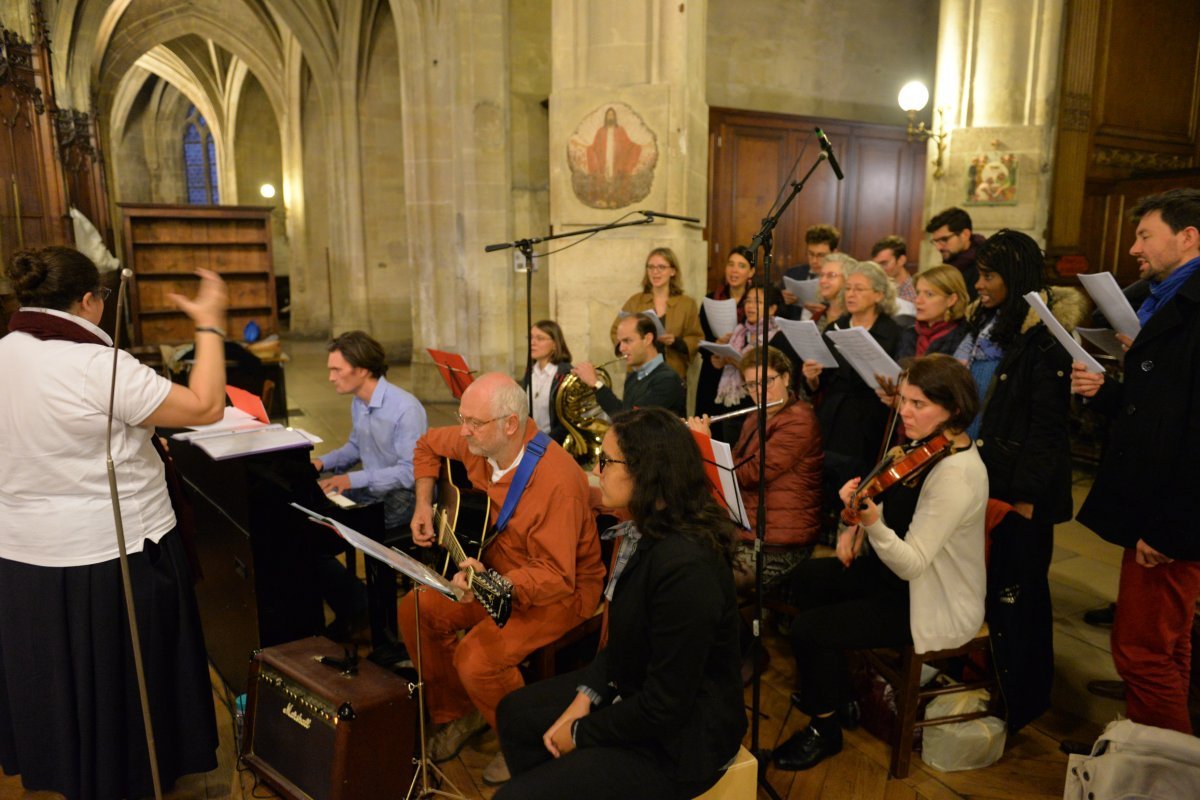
(375, 465)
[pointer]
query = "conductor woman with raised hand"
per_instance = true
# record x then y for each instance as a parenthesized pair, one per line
(70, 716)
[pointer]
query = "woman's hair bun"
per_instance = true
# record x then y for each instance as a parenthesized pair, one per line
(27, 270)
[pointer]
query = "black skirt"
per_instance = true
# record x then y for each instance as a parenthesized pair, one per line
(70, 716)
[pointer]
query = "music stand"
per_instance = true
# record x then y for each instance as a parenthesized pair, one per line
(423, 577)
(454, 370)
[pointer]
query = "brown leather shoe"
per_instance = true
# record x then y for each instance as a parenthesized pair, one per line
(1113, 690)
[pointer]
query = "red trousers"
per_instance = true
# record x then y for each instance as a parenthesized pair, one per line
(478, 670)
(1152, 639)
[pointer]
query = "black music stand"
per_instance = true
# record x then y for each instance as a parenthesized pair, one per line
(763, 240)
(423, 577)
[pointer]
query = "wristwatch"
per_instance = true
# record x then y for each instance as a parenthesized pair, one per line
(598, 385)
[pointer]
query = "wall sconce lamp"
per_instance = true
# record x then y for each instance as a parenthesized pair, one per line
(914, 97)
(267, 190)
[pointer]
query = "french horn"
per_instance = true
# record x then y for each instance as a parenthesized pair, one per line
(579, 412)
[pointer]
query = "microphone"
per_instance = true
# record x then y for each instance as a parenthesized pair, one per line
(653, 214)
(828, 148)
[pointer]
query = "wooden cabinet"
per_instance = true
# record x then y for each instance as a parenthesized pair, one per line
(165, 244)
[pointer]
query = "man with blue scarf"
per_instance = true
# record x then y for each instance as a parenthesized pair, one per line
(1151, 465)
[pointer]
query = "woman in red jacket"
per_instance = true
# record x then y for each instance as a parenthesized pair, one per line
(792, 471)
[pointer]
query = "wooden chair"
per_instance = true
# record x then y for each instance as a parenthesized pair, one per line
(542, 663)
(904, 674)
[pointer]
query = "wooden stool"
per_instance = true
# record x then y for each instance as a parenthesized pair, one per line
(904, 675)
(740, 781)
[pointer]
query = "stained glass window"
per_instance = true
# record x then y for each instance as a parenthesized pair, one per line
(200, 160)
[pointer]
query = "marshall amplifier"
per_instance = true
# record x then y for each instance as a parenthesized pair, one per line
(315, 731)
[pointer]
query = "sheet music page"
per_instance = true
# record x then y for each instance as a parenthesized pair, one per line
(1112, 302)
(722, 316)
(806, 291)
(722, 350)
(868, 358)
(1105, 339)
(233, 419)
(723, 455)
(1060, 333)
(244, 443)
(805, 338)
(401, 562)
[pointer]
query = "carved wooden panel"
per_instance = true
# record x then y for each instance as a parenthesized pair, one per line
(1129, 107)
(751, 156)
(32, 205)
(79, 151)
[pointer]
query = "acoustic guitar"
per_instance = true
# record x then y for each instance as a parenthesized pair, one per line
(461, 516)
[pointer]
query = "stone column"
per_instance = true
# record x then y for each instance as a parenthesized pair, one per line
(454, 84)
(997, 87)
(642, 62)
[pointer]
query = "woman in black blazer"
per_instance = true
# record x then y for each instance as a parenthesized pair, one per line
(671, 657)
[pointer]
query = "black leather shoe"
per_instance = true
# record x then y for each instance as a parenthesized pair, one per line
(807, 748)
(1101, 617)
(849, 715)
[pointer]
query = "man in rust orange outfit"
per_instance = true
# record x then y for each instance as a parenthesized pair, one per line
(549, 551)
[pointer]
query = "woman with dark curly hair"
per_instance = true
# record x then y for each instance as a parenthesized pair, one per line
(1024, 381)
(70, 716)
(659, 712)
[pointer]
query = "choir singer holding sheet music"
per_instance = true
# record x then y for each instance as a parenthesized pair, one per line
(70, 716)
(662, 293)
(852, 419)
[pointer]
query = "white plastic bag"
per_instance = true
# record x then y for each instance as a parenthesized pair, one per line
(957, 746)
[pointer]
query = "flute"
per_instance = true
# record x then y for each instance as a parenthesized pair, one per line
(743, 411)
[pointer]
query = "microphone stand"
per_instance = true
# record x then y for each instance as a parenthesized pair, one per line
(134, 637)
(526, 248)
(764, 240)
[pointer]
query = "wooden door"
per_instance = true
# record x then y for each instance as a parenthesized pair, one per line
(752, 154)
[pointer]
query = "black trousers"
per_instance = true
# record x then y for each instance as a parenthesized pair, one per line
(588, 773)
(842, 609)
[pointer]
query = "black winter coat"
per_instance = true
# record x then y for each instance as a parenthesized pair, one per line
(1023, 434)
(1151, 467)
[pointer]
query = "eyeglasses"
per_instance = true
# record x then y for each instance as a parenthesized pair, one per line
(942, 239)
(605, 461)
(859, 289)
(752, 386)
(103, 292)
(472, 423)
(657, 267)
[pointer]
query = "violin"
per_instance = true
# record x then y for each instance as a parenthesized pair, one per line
(900, 465)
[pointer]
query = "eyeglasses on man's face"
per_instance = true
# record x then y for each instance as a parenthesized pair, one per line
(103, 292)
(472, 423)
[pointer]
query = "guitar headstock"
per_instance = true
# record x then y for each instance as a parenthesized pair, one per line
(494, 593)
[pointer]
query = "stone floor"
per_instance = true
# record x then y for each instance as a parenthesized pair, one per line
(1083, 576)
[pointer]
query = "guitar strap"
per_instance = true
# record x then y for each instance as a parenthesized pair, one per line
(534, 450)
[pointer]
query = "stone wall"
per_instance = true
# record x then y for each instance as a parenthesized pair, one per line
(389, 273)
(843, 60)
